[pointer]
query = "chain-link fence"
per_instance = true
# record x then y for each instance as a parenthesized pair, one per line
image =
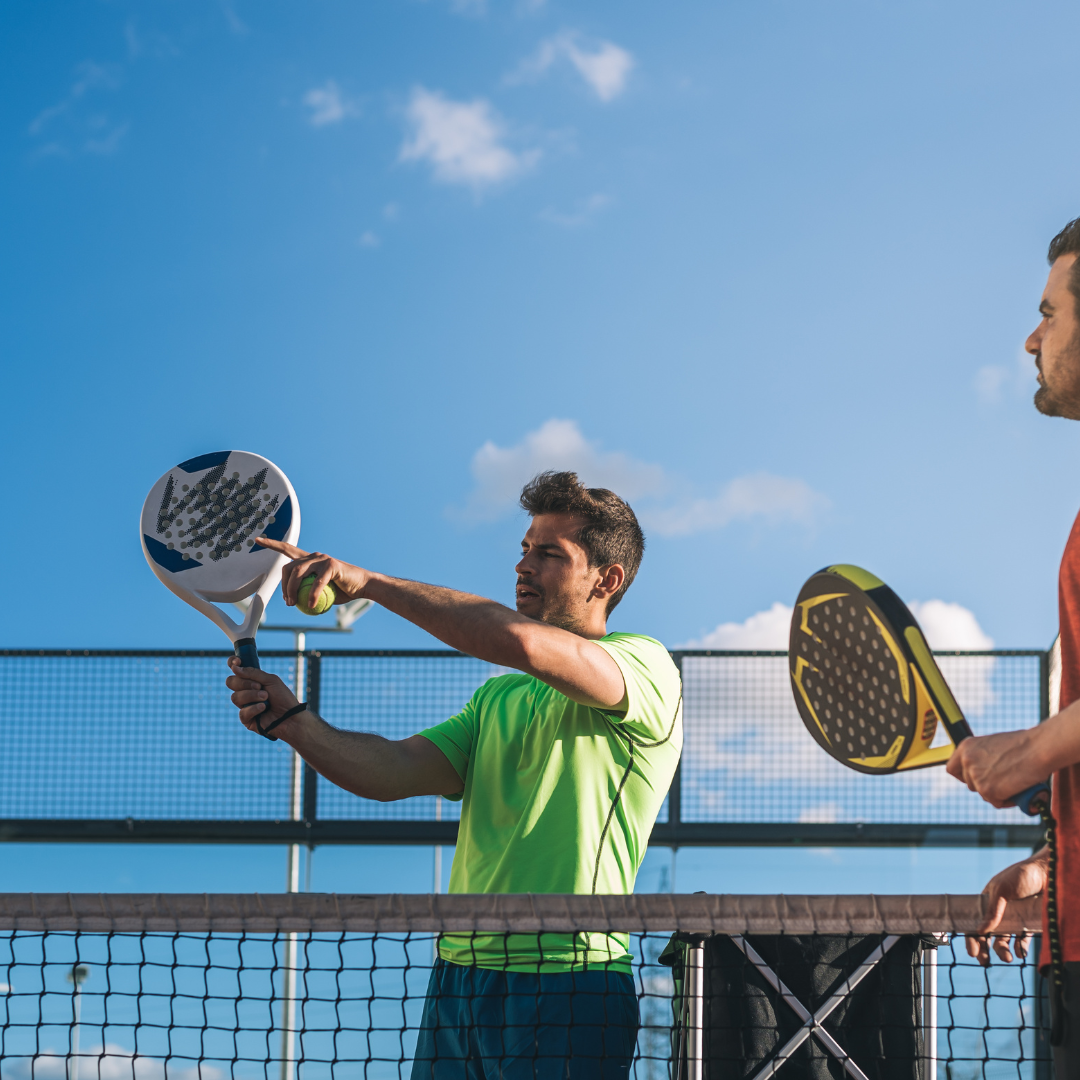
(146, 745)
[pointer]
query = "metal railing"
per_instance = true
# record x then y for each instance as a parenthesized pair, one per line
(144, 745)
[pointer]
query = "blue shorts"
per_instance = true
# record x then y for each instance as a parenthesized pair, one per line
(480, 1024)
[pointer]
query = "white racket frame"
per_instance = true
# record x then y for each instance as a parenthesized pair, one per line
(260, 588)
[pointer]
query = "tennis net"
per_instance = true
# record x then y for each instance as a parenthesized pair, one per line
(312, 986)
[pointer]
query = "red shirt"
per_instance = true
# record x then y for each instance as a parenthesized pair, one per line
(1066, 801)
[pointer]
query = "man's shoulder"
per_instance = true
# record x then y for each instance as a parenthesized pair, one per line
(640, 646)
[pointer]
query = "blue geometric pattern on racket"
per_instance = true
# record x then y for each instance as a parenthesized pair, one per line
(199, 529)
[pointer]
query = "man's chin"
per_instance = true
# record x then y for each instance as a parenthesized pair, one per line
(1048, 405)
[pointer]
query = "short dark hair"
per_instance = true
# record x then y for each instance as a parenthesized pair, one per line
(1067, 242)
(610, 533)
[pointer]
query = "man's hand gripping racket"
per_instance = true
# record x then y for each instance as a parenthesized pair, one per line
(211, 529)
(870, 692)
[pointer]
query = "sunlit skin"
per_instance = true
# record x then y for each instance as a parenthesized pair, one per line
(561, 610)
(998, 767)
(1055, 344)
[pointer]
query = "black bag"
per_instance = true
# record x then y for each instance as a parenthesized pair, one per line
(746, 1021)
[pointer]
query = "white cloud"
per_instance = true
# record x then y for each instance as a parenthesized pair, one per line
(368, 239)
(946, 626)
(605, 66)
(949, 626)
(500, 472)
(774, 498)
(110, 1062)
(328, 105)
(583, 213)
(461, 140)
(765, 630)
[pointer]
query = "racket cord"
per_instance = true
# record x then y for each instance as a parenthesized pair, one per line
(1057, 965)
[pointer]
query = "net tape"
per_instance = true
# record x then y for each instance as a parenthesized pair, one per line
(697, 913)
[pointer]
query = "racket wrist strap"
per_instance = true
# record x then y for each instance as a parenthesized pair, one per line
(265, 731)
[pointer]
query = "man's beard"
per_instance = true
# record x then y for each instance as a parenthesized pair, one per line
(1048, 400)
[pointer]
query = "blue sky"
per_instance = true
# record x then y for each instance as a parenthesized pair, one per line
(766, 268)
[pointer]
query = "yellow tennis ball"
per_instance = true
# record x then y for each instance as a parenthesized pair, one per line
(323, 602)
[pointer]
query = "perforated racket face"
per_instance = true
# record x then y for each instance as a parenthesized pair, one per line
(850, 677)
(201, 521)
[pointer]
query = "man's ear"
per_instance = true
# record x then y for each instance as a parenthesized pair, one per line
(611, 581)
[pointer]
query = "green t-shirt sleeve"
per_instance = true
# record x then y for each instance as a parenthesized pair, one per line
(653, 687)
(456, 737)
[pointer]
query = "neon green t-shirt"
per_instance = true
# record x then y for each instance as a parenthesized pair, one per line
(559, 798)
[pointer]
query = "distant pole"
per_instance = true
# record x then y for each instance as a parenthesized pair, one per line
(292, 880)
(76, 976)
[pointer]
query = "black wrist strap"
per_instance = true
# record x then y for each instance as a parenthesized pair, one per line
(265, 731)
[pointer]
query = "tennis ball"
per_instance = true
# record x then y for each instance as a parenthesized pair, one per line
(323, 602)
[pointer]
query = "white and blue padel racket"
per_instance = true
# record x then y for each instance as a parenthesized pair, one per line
(200, 528)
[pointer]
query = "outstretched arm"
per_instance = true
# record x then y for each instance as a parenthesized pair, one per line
(367, 765)
(573, 665)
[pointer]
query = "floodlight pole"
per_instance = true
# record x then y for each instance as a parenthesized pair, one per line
(78, 974)
(292, 872)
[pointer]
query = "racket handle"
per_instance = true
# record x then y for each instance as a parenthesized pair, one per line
(1028, 800)
(245, 649)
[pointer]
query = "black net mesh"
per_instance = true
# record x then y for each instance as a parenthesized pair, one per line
(153, 736)
(339, 1002)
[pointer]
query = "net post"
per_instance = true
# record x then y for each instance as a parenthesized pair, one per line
(695, 1007)
(929, 1012)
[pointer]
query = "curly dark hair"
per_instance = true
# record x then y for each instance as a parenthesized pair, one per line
(1067, 242)
(610, 532)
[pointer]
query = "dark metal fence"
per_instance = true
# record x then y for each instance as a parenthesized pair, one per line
(144, 745)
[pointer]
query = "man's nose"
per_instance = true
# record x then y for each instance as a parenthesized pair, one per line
(1034, 341)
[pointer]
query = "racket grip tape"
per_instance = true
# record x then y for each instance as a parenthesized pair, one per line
(246, 651)
(1029, 800)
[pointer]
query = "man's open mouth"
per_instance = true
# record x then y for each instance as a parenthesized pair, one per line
(525, 593)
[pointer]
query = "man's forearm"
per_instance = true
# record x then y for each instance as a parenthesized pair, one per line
(473, 624)
(1057, 740)
(369, 765)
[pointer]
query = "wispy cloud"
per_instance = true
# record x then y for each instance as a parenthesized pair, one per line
(232, 18)
(659, 497)
(463, 141)
(995, 382)
(582, 214)
(88, 76)
(762, 495)
(369, 239)
(106, 137)
(604, 66)
(328, 105)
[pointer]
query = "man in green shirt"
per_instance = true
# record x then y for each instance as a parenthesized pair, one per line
(561, 771)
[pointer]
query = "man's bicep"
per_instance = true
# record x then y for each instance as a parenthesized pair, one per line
(432, 771)
(584, 672)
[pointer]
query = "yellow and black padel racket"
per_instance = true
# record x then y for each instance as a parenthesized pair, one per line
(865, 682)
